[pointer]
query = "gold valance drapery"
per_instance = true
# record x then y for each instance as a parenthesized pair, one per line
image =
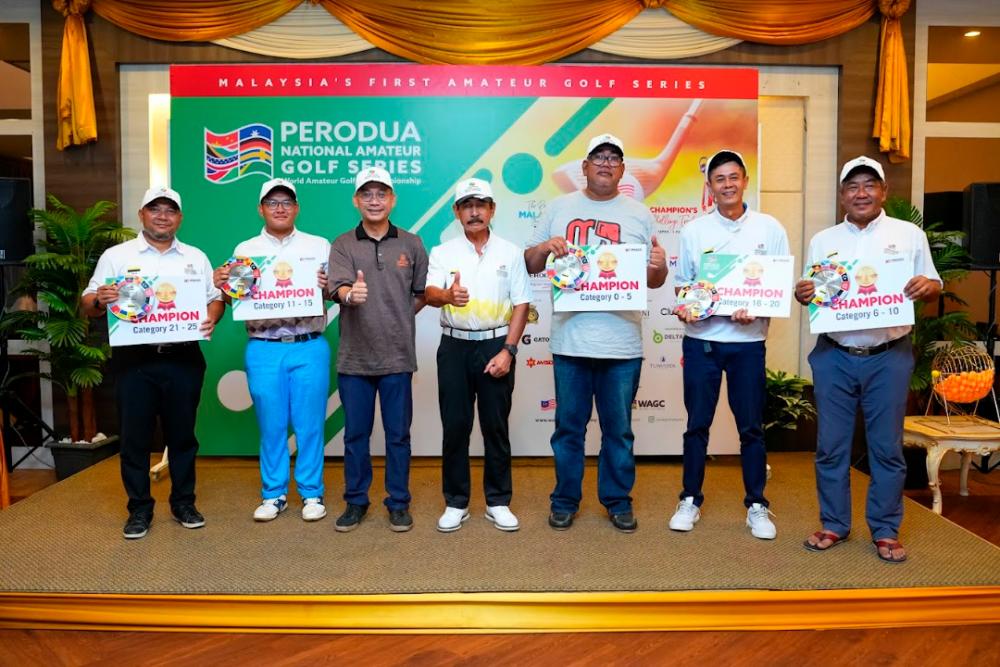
(522, 32)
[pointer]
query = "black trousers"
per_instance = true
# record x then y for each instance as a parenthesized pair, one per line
(461, 384)
(165, 382)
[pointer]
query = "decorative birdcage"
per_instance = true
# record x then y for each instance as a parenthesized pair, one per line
(962, 375)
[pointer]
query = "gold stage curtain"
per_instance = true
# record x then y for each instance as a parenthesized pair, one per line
(521, 32)
(75, 115)
(892, 106)
(772, 21)
(514, 32)
(191, 20)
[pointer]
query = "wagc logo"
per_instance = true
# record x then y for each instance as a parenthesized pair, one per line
(241, 152)
(649, 404)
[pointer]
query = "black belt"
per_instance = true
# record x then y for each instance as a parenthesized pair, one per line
(292, 338)
(864, 351)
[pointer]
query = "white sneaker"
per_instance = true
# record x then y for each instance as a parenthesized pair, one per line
(760, 524)
(686, 515)
(313, 509)
(502, 518)
(270, 509)
(452, 519)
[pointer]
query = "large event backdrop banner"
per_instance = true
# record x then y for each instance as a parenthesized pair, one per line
(523, 129)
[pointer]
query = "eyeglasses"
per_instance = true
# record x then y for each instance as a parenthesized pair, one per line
(610, 159)
(284, 204)
(163, 210)
(374, 195)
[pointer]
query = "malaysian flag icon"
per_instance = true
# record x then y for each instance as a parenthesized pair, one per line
(548, 405)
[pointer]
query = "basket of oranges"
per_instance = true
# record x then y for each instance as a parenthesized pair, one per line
(962, 374)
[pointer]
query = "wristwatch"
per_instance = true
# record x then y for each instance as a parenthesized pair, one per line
(510, 348)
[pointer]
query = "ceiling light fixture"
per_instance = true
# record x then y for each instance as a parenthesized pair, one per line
(973, 33)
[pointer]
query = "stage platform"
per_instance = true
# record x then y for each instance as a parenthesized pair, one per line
(64, 563)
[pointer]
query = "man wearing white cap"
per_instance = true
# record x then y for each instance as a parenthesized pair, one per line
(732, 345)
(480, 282)
(868, 368)
(377, 273)
(156, 380)
(596, 356)
(288, 364)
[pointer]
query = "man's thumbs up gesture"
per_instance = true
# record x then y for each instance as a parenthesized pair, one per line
(458, 295)
(358, 293)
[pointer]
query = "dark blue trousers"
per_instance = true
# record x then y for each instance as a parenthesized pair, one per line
(743, 364)
(878, 385)
(357, 395)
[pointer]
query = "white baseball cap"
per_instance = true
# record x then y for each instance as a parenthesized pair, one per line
(861, 161)
(265, 189)
(372, 175)
(602, 139)
(473, 187)
(160, 192)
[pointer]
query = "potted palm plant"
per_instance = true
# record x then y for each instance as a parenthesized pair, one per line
(951, 262)
(57, 333)
(789, 413)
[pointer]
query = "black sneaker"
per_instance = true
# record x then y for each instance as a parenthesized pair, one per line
(624, 522)
(400, 520)
(137, 526)
(188, 516)
(351, 518)
(561, 520)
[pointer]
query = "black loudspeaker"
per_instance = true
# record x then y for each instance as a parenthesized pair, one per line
(945, 208)
(16, 229)
(981, 222)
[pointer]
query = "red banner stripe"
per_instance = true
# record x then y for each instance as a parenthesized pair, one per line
(406, 80)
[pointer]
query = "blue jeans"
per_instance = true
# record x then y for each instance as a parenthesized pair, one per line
(357, 395)
(290, 384)
(612, 384)
(743, 363)
(878, 385)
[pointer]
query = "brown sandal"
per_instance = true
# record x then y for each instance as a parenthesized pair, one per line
(891, 544)
(821, 535)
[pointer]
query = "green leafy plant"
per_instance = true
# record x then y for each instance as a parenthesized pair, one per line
(55, 276)
(786, 402)
(929, 330)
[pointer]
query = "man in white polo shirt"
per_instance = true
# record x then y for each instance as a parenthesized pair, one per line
(480, 282)
(288, 365)
(156, 380)
(868, 369)
(732, 345)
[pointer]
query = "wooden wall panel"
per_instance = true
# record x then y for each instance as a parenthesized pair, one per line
(83, 174)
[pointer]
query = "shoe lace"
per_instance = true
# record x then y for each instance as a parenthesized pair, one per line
(760, 513)
(686, 509)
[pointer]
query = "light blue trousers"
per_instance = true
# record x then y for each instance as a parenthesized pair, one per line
(289, 384)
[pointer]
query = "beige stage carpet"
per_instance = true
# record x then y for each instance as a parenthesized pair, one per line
(67, 538)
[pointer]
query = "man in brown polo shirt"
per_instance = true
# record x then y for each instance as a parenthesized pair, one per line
(377, 273)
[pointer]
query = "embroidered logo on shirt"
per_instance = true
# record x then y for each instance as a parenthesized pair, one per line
(403, 261)
(189, 269)
(891, 249)
(761, 249)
